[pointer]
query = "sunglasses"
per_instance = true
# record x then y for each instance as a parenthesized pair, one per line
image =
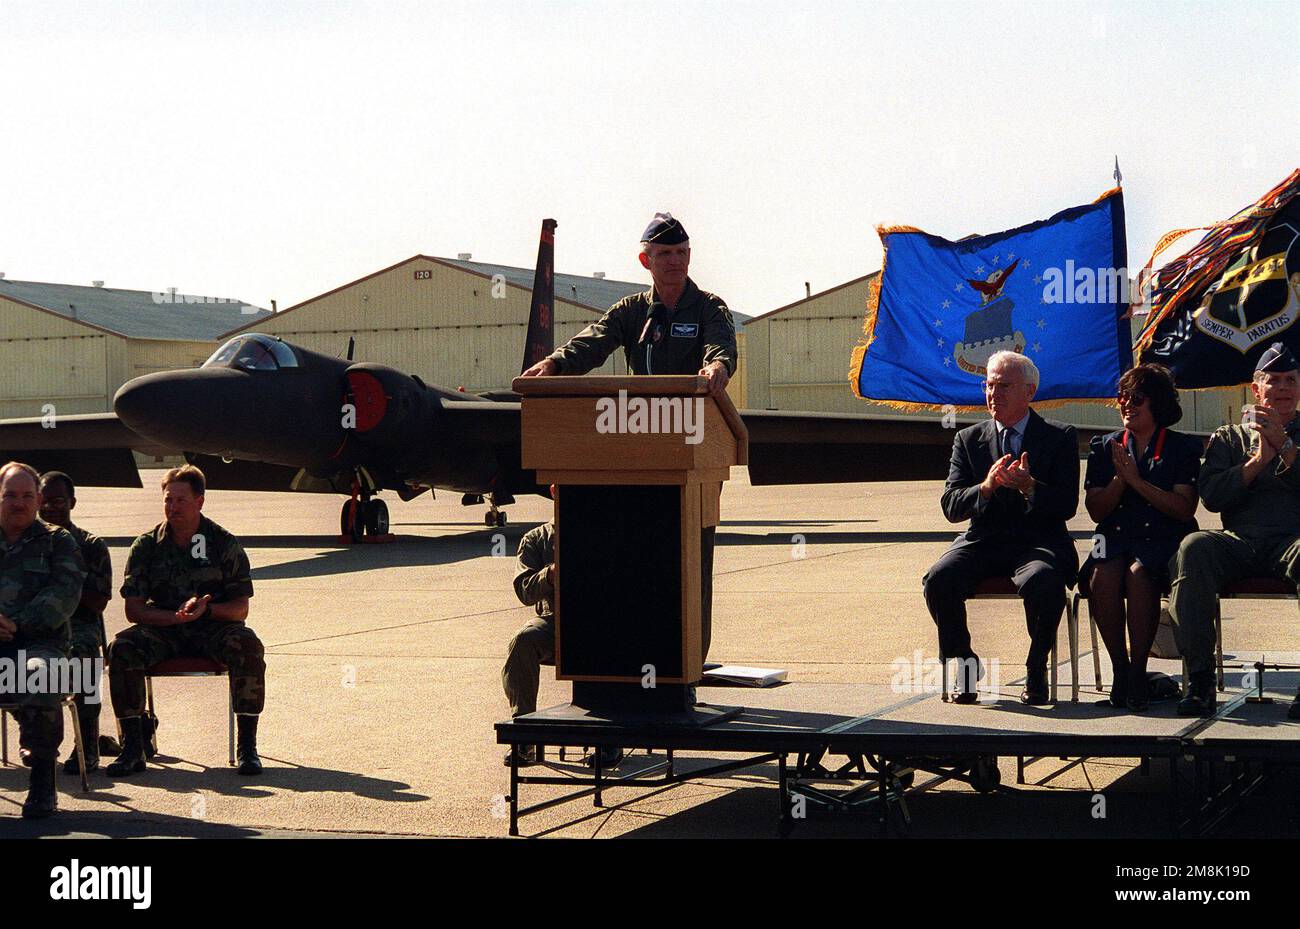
(1131, 397)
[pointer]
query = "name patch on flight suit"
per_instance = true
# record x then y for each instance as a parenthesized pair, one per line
(685, 330)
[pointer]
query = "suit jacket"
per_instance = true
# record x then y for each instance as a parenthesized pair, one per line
(1007, 517)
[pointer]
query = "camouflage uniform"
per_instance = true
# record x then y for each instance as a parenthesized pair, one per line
(167, 575)
(88, 625)
(40, 585)
(534, 644)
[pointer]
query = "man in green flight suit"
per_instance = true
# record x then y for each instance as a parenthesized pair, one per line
(186, 590)
(58, 497)
(672, 328)
(41, 576)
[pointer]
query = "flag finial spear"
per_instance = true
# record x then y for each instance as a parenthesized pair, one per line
(1119, 178)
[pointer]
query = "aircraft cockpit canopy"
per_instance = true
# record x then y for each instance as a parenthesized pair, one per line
(253, 352)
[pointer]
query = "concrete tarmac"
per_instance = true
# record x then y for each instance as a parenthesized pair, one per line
(384, 663)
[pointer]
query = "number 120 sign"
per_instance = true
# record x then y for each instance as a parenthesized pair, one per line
(423, 275)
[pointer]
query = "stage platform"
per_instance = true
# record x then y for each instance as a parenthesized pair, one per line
(883, 737)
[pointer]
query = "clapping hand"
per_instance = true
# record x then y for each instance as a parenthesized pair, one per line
(1126, 468)
(193, 609)
(1016, 474)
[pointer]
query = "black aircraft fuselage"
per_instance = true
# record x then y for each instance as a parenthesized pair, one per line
(261, 399)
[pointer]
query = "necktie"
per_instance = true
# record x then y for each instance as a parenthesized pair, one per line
(1008, 441)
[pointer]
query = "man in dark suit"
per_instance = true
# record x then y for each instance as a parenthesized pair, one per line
(1016, 478)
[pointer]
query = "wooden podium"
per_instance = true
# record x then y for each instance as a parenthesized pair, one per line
(639, 463)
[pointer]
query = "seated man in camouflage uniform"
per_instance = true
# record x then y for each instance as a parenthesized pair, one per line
(1251, 476)
(535, 643)
(58, 497)
(186, 591)
(40, 585)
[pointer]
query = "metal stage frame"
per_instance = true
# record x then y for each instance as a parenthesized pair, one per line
(1211, 772)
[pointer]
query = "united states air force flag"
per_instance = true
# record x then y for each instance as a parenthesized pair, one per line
(1055, 290)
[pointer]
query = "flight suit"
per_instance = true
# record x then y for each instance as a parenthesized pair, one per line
(698, 332)
(534, 644)
(167, 575)
(40, 586)
(87, 642)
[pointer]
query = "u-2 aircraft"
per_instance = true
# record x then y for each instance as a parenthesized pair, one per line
(264, 414)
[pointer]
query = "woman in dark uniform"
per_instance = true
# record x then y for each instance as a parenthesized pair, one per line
(1141, 489)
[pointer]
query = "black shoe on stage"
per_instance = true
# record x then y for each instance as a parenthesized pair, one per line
(1118, 689)
(1294, 711)
(1200, 699)
(966, 692)
(1139, 693)
(1035, 692)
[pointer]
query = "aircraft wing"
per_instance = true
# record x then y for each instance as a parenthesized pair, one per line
(95, 448)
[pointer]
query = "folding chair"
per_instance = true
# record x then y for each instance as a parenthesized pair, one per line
(189, 667)
(70, 701)
(1004, 588)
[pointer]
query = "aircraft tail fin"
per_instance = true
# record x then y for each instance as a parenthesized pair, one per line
(540, 341)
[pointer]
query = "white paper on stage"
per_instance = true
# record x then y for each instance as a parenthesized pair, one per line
(749, 677)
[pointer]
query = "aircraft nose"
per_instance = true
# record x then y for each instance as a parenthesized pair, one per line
(172, 408)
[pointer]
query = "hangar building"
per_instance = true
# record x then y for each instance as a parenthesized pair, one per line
(452, 322)
(73, 346)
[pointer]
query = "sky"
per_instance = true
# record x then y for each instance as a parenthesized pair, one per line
(276, 150)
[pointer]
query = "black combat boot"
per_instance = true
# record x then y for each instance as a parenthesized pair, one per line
(42, 799)
(131, 758)
(1200, 699)
(246, 748)
(89, 744)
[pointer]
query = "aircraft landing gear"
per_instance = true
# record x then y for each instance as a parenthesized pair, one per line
(362, 518)
(494, 517)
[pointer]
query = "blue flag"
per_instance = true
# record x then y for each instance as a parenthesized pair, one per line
(1055, 290)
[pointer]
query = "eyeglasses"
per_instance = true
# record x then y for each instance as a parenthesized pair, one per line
(1131, 398)
(996, 386)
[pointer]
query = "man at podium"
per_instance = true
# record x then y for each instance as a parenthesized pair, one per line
(672, 328)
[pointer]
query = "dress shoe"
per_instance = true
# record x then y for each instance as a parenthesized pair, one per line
(1139, 694)
(1200, 699)
(246, 748)
(1294, 711)
(966, 692)
(1119, 689)
(526, 755)
(1035, 692)
(131, 759)
(42, 799)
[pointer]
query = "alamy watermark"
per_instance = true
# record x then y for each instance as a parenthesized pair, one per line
(639, 415)
(37, 674)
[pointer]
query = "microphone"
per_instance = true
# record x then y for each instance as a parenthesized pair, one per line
(653, 330)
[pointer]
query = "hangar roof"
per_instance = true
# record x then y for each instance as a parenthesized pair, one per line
(136, 314)
(597, 293)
